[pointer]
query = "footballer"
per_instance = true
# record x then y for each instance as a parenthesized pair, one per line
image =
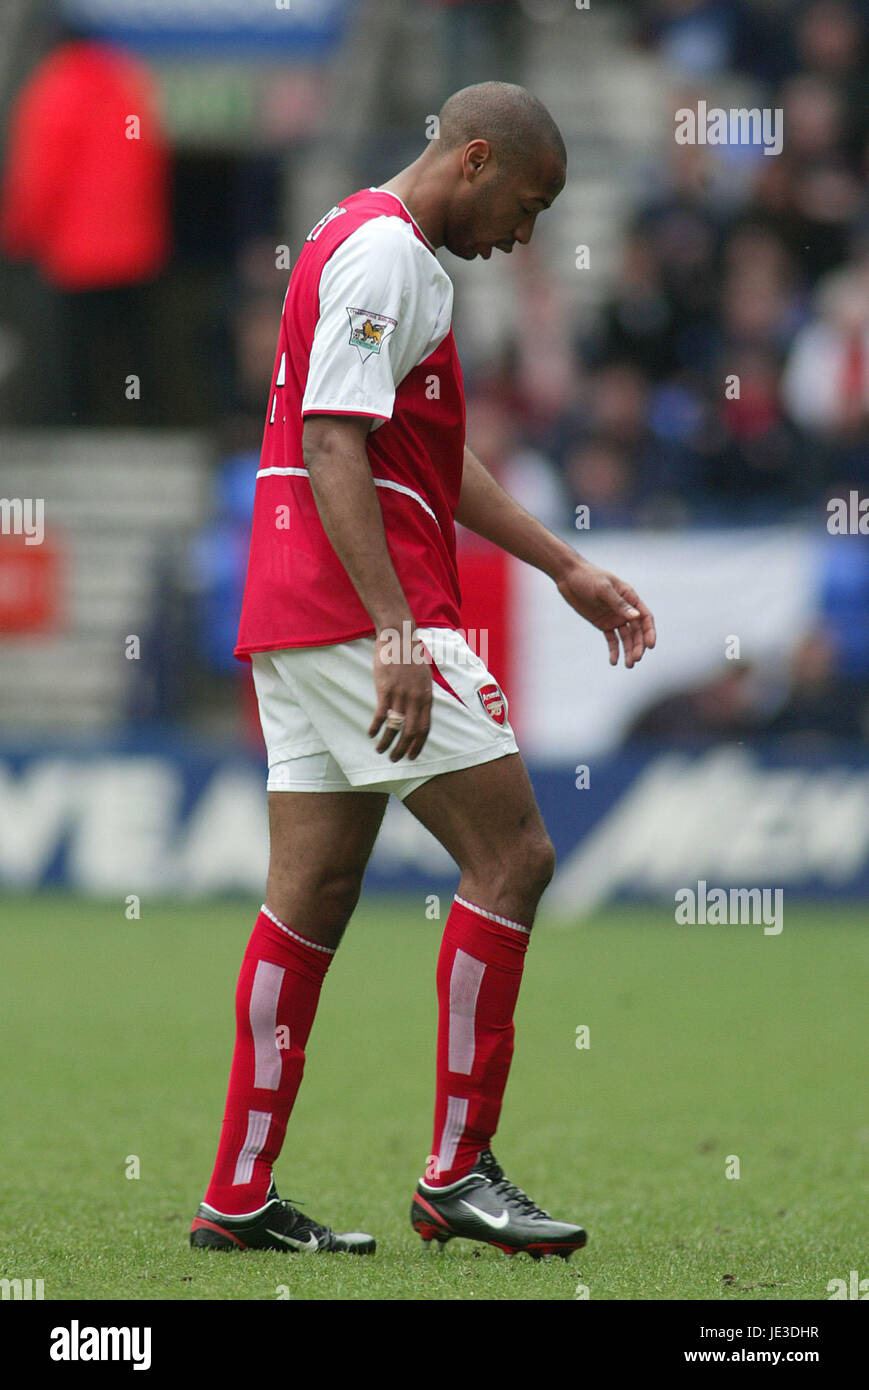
(363, 474)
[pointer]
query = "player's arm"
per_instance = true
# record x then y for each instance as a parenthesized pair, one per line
(377, 270)
(337, 461)
(603, 599)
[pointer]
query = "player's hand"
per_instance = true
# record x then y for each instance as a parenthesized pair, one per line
(405, 687)
(611, 605)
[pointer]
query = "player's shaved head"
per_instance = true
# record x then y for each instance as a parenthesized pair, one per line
(497, 162)
(513, 121)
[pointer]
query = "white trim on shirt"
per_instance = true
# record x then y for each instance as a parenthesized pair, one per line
(378, 482)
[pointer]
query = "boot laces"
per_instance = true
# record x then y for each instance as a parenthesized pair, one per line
(491, 1169)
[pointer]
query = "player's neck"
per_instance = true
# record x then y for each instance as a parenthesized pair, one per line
(423, 196)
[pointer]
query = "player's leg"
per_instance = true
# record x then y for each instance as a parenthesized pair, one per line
(320, 845)
(487, 818)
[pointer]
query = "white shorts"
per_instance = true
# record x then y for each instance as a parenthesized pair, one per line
(316, 705)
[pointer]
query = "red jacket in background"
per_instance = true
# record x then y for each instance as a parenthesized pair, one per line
(84, 201)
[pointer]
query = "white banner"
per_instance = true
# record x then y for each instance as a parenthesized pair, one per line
(704, 589)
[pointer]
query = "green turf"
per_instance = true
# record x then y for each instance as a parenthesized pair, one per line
(705, 1042)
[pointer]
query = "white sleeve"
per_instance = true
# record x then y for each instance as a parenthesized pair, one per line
(385, 305)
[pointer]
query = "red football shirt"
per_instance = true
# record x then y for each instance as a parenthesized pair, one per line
(365, 331)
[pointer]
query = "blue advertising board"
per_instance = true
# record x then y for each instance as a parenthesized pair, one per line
(168, 816)
(231, 28)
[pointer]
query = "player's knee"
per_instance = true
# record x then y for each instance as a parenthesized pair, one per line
(326, 897)
(528, 865)
(337, 892)
(540, 862)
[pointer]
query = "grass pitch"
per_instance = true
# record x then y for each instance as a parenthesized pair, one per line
(707, 1045)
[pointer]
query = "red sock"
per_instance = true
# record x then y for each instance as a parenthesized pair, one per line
(478, 977)
(275, 1002)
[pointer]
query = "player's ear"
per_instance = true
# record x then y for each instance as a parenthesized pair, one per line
(476, 157)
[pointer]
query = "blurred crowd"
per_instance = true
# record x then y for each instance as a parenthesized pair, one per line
(726, 376)
(723, 378)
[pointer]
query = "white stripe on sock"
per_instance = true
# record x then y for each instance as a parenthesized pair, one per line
(263, 1014)
(258, 1125)
(454, 1128)
(465, 980)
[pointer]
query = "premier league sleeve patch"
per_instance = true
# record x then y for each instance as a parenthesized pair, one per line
(369, 331)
